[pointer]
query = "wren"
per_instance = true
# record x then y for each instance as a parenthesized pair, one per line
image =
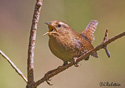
(67, 44)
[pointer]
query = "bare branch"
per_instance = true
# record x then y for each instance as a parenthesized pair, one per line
(62, 68)
(14, 66)
(104, 40)
(106, 36)
(32, 39)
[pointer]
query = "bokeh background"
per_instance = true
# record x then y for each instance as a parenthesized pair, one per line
(15, 24)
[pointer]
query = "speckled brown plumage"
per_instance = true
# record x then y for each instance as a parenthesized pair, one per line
(67, 44)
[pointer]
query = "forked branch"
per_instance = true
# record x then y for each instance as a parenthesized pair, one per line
(30, 61)
(105, 46)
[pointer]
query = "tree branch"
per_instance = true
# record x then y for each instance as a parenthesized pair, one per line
(62, 68)
(32, 39)
(14, 66)
(104, 40)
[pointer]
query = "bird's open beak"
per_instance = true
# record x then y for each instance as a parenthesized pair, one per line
(49, 33)
(50, 29)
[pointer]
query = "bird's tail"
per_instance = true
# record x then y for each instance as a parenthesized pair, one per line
(90, 29)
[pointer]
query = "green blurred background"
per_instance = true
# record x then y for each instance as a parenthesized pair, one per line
(15, 24)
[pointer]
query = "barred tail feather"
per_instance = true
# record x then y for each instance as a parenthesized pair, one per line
(90, 29)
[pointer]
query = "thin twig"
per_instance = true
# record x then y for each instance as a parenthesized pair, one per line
(104, 40)
(32, 39)
(106, 36)
(14, 66)
(62, 68)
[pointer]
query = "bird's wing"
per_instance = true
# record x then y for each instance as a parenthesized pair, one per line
(90, 29)
(83, 47)
(77, 43)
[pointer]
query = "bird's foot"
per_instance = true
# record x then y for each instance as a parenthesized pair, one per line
(75, 62)
(65, 63)
(87, 58)
(47, 78)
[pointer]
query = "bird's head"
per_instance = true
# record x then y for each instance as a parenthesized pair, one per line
(57, 28)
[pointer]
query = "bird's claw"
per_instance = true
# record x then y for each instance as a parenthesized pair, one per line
(48, 79)
(76, 65)
(75, 62)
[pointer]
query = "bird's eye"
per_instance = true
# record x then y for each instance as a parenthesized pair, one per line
(59, 25)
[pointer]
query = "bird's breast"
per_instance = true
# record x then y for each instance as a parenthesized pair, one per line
(63, 48)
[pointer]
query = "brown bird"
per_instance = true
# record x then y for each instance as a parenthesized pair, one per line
(67, 44)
